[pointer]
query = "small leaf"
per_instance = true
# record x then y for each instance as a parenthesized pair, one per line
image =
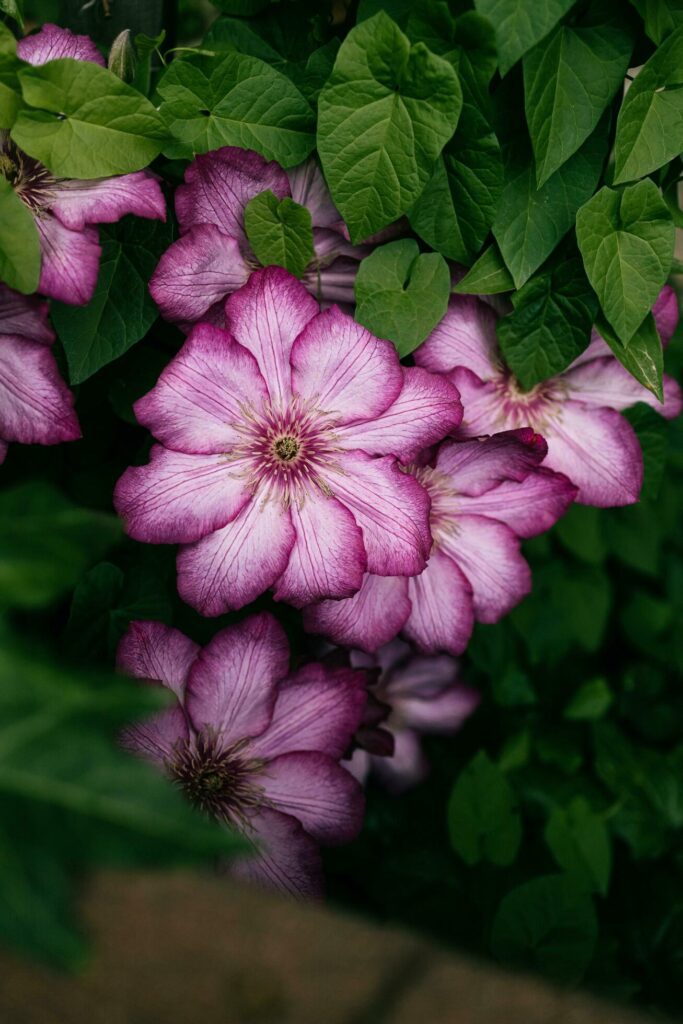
(653, 434)
(590, 701)
(483, 821)
(579, 842)
(280, 232)
(642, 357)
(15, 9)
(520, 24)
(488, 276)
(19, 242)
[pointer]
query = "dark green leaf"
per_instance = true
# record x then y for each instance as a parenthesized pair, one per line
(10, 90)
(488, 276)
(590, 701)
(661, 17)
(483, 821)
(15, 9)
(520, 24)
(280, 232)
(580, 844)
(19, 242)
(652, 434)
(642, 356)
(581, 531)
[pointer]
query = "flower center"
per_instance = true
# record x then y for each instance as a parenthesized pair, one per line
(219, 782)
(534, 408)
(286, 448)
(32, 181)
(443, 496)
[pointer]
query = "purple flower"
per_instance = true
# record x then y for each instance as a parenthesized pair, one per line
(64, 209)
(278, 458)
(36, 406)
(577, 411)
(424, 695)
(213, 258)
(485, 495)
(251, 745)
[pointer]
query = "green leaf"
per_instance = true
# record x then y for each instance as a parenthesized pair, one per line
(520, 24)
(513, 689)
(569, 80)
(626, 238)
(579, 842)
(385, 114)
(235, 100)
(10, 90)
(590, 701)
(19, 242)
(530, 222)
(661, 17)
(488, 276)
(15, 9)
(551, 322)
(402, 294)
(546, 925)
(650, 122)
(280, 232)
(642, 357)
(483, 821)
(652, 433)
(90, 124)
(121, 310)
(581, 531)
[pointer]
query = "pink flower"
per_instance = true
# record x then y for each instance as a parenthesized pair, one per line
(577, 411)
(65, 210)
(424, 695)
(485, 495)
(36, 406)
(278, 458)
(250, 744)
(213, 258)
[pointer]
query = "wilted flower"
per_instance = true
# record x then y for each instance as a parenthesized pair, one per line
(251, 745)
(577, 411)
(485, 495)
(278, 458)
(64, 209)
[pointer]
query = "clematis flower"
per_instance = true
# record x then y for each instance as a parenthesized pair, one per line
(213, 257)
(424, 695)
(251, 745)
(36, 406)
(278, 458)
(485, 495)
(577, 411)
(65, 210)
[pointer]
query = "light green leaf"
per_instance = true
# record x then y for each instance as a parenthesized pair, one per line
(642, 356)
(90, 124)
(626, 238)
(520, 24)
(650, 122)
(10, 90)
(590, 701)
(15, 9)
(661, 17)
(402, 294)
(280, 232)
(19, 242)
(488, 276)
(483, 821)
(384, 116)
(235, 100)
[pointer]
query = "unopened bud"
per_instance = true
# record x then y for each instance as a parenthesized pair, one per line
(122, 57)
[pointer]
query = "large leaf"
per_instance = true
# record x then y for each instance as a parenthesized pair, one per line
(280, 232)
(19, 242)
(626, 238)
(488, 276)
(642, 356)
(10, 90)
(483, 821)
(520, 24)
(384, 116)
(661, 17)
(90, 124)
(580, 844)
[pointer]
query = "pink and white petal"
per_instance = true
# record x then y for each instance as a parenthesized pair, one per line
(196, 272)
(665, 312)
(198, 404)
(476, 466)
(391, 508)
(333, 283)
(266, 316)
(488, 554)
(483, 409)
(369, 619)
(158, 738)
(232, 685)
(529, 507)
(236, 564)
(53, 43)
(70, 261)
(151, 650)
(441, 616)
(218, 185)
(178, 498)
(286, 858)
(599, 451)
(427, 410)
(406, 768)
(328, 559)
(26, 315)
(606, 383)
(359, 764)
(308, 189)
(413, 675)
(348, 372)
(322, 795)
(36, 406)
(317, 708)
(106, 200)
(465, 337)
(441, 714)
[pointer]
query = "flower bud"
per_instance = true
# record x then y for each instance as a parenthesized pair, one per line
(122, 57)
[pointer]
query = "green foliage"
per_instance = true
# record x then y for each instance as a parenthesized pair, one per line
(483, 821)
(488, 276)
(19, 243)
(280, 232)
(579, 842)
(520, 24)
(642, 356)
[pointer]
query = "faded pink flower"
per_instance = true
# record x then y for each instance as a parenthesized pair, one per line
(213, 257)
(278, 458)
(424, 695)
(36, 406)
(64, 209)
(251, 745)
(485, 495)
(577, 411)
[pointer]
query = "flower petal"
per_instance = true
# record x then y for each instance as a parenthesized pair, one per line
(406, 768)
(529, 507)
(483, 411)
(157, 738)
(391, 508)
(70, 261)
(345, 370)
(178, 498)
(266, 316)
(322, 795)
(53, 43)
(442, 615)
(36, 406)
(287, 858)
(232, 685)
(151, 650)
(474, 467)
(665, 312)
(235, 565)
(106, 200)
(201, 396)
(606, 383)
(333, 283)
(369, 619)
(26, 315)
(309, 189)
(465, 337)
(328, 558)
